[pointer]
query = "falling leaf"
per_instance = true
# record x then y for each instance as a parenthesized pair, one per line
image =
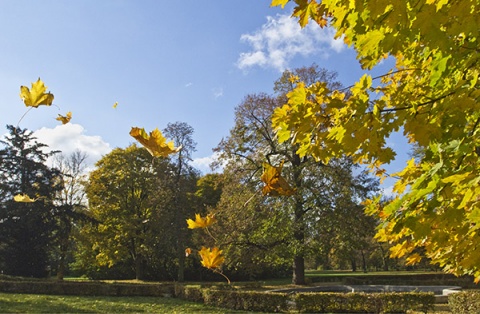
(115, 105)
(65, 119)
(188, 251)
(154, 142)
(23, 198)
(201, 222)
(275, 184)
(211, 258)
(36, 96)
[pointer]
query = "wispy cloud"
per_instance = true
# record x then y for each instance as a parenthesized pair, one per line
(188, 84)
(217, 92)
(281, 39)
(70, 137)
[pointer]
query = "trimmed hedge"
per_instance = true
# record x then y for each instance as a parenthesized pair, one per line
(465, 302)
(86, 288)
(310, 302)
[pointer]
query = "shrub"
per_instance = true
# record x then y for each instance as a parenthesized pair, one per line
(316, 302)
(465, 302)
(329, 302)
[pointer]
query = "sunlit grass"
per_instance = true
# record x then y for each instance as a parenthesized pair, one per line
(31, 303)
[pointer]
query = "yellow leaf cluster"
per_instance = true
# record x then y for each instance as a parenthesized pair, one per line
(155, 142)
(211, 258)
(430, 94)
(201, 222)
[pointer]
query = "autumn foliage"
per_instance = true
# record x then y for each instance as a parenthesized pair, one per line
(431, 95)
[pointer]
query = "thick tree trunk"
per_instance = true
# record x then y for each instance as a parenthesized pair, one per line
(298, 277)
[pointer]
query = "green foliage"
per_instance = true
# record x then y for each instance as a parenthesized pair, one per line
(325, 194)
(129, 196)
(26, 229)
(431, 94)
(465, 302)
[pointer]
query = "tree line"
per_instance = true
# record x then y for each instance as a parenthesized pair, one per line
(127, 217)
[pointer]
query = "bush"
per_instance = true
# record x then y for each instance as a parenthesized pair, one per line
(311, 302)
(86, 288)
(465, 302)
(330, 302)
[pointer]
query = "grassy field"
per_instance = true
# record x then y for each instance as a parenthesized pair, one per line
(30, 303)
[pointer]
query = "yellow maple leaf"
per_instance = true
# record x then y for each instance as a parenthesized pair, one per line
(65, 119)
(115, 105)
(23, 198)
(154, 142)
(211, 258)
(275, 184)
(201, 222)
(37, 95)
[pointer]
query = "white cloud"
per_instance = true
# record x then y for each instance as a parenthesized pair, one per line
(71, 137)
(203, 163)
(281, 39)
(388, 192)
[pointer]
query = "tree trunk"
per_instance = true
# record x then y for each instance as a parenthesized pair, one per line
(364, 262)
(354, 264)
(298, 277)
(139, 268)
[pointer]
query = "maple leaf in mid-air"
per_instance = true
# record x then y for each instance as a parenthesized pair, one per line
(23, 198)
(37, 95)
(65, 119)
(211, 259)
(201, 222)
(275, 184)
(115, 105)
(154, 142)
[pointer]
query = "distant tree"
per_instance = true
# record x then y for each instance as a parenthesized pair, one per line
(127, 195)
(319, 187)
(70, 204)
(183, 185)
(26, 229)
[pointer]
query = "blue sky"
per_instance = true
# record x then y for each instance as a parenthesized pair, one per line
(162, 61)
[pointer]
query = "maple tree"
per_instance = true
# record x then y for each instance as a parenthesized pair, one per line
(431, 95)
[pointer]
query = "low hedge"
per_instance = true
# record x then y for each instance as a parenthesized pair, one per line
(393, 302)
(465, 302)
(310, 302)
(86, 288)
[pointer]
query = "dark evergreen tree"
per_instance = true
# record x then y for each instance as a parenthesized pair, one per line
(26, 229)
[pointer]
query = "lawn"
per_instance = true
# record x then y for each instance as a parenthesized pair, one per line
(31, 303)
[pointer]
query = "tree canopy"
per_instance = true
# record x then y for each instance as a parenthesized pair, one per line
(431, 95)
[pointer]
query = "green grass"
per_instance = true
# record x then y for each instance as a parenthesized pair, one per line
(31, 303)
